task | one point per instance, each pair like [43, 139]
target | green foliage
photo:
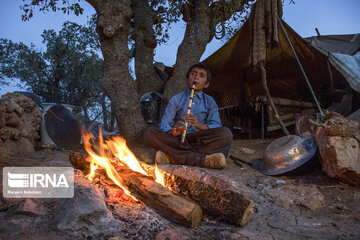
[69, 71]
[50, 5]
[164, 14]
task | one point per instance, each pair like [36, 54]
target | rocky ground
[306, 206]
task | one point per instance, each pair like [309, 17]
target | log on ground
[217, 195]
[145, 189]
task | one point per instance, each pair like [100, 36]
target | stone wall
[19, 124]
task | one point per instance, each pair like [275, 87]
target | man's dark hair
[202, 66]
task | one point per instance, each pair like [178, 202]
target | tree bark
[145, 42]
[104, 112]
[113, 28]
[198, 34]
[216, 194]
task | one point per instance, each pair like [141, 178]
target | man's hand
[194, 121]
[178, 129]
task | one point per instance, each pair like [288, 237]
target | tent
[344, 54]
[236, 86]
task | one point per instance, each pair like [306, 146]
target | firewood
[170, 205]
[78, 161]
[217, 195]
[145, 189]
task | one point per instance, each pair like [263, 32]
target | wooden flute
[188, 112]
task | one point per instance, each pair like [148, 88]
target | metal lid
[286, 154]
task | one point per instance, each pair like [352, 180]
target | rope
[322, 116]
[56, 116]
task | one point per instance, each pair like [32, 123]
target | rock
[18, 146]
[12, 120]
[340, 157]
[10, 133]
[337, 125]
[303, 127]
[25, 146]
[19, 124]
[290, 195]
[11, 105]
[86, 213]
[10, 228]
[243, 151]
[17, 102]
[29, 208]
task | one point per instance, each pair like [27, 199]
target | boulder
[86, 213]
[338, 142]
[29, 207]
[340, 157]
[12, 120]
[19, 124]
[18, 146]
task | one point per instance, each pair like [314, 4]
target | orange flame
[159, 177]
[103, 157]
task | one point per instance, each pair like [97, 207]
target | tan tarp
[234, 81]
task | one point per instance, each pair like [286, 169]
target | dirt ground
[304, 206]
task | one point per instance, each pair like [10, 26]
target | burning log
[145, 189]
[217, 194]
[170, 205]
[78, 160]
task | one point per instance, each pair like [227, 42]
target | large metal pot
[286, 154]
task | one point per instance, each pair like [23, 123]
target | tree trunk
[104, 112]
[198, 34]
[145, 42]
[113, 28]
[112, 120]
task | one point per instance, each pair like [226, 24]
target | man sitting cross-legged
[207, 143]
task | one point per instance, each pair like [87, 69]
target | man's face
[199, 77]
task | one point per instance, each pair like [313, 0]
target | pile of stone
[338, 140]
[19, 124]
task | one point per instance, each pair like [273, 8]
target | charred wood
[145, 189]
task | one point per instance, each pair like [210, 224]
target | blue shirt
[203, 107]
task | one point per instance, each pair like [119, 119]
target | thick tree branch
[145, 42]
[113, 28]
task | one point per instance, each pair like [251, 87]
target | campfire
[179, 193]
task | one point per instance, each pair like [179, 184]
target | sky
[328, 16]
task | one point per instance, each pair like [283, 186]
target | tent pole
[322, 116]
[264, 82]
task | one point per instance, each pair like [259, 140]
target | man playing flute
[207, 142]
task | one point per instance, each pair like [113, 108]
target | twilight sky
[329, 16]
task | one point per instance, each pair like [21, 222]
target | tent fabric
[346, 44]
[343, 52]
[235, 82]
[349, 66]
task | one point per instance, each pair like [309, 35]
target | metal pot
[286, 154]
